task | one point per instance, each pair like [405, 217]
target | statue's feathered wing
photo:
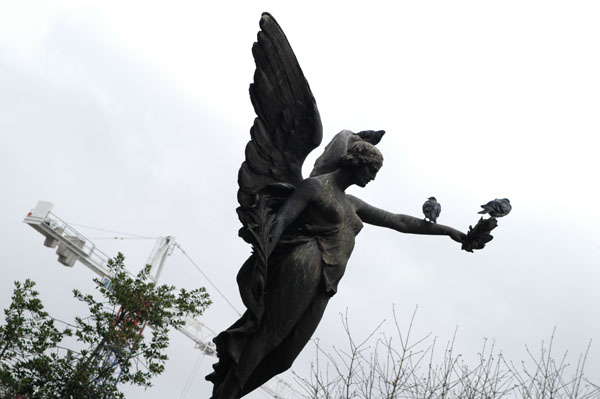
[287, 125]
[286, 129]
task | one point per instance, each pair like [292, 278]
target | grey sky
[133, 116]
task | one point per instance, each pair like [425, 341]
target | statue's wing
[287, 125]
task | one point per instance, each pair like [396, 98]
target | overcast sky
[133, 117]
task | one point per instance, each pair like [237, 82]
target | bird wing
[487, 207]
[506, 207]
[287, 126]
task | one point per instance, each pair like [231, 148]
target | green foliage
[123, 339]
[25, 340]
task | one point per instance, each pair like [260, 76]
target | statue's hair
[360, 152]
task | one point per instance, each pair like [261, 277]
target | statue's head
[360, 153]
[364, 158]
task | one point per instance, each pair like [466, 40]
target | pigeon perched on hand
[431, 209]
[497, 208]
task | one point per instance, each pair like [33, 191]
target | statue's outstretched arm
[402, 223]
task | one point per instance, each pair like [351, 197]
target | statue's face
[365, 173]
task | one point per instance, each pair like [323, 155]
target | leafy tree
[25, 341]
[122, 340]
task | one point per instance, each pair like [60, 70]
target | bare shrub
[403, 367]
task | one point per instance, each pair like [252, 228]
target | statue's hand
[458, 236]
[479, 235]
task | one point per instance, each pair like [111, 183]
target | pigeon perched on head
[371, 136]
[497, 208]
[431, 209]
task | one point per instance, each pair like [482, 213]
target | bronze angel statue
[302, 230]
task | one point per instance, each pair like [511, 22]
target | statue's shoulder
[312, 187]
[316, 182]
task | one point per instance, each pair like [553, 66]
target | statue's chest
[335, 210]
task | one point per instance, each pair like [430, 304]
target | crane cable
[192, 377]
[139, 236]
[116, 232]
[194, 372]
[122, 238]
[207, 279]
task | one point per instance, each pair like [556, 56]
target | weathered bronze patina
[302, 230]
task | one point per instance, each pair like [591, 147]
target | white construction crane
[72, 246]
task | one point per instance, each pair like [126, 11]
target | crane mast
[72, 246]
